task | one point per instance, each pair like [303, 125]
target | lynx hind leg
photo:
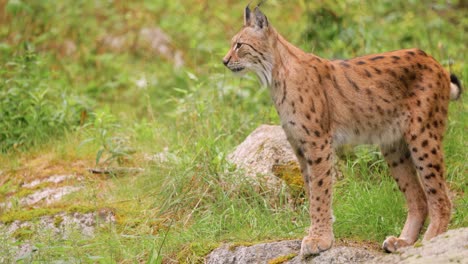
[402, 169]
[426, 152]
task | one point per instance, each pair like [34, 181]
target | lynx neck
[286, 57]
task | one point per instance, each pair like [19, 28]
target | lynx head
[251, 47]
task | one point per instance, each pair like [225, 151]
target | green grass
[93, 112]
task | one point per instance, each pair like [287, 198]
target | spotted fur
[397, 100]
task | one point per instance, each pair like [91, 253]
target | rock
[158, 42]
[58, 226]
[162, 157]
[450, 247]
[25, 252]
[339, 255]
[260, 253]
[113, 43]
[52, 179]
[151, 40]
[63, 224]
[49, 194]
[286, 252]
[68, 48]
[266, 153]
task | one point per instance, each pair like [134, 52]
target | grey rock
[260, 253]
[62, 224]
[339, 255]
[47, 195]
[114, 43]
[267, 252]
[59, 226]
[52, 179]
[264, 148]
[25, 252]
[157, 41]
[162, 157]
[450, 247]
[68, 47]
[152, 40]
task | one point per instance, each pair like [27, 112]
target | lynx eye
[238, 45]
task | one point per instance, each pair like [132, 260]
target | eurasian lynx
[397, 100]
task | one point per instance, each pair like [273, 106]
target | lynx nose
[226, 61]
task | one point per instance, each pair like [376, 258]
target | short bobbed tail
[455, 87]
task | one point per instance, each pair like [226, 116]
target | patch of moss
[23, 192]
[282, 259]
[42, 185]
[58, 221]
[27, 214]
[417, 244]
[80, 208]
[291, 174]
[233, 246]
[129, 222]
[23, 233]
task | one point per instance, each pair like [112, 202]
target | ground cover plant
[79, 89]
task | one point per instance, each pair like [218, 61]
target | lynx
[397, 100]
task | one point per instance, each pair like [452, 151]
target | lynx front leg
[318, 176]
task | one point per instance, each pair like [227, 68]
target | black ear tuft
[260, 19]
[261, 3]
[247, 15]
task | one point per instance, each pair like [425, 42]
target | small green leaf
[99, 155]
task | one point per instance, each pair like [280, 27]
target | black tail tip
[456, 87]
[454, 79]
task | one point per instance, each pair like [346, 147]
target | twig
[115, 170]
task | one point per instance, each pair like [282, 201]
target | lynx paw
[315, 245]
[392, 244]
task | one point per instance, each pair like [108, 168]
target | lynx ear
[261, 20]
[247, 16]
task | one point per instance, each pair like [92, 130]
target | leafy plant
[33, 109]
[103, 130]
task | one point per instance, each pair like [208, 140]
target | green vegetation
[282, 259]
[70, 100]
[34, 108]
